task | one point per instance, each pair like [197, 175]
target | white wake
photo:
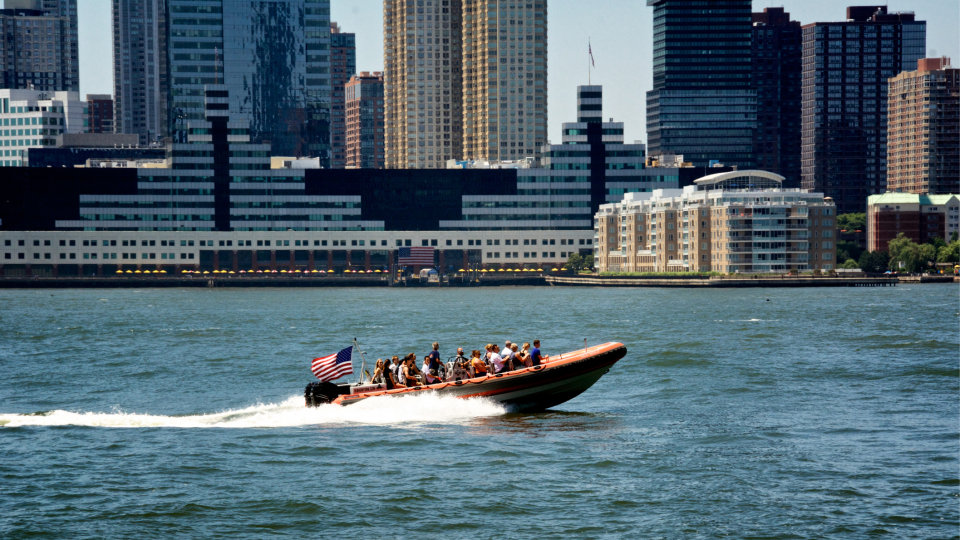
[401, 411]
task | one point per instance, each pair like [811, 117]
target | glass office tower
[846, 67]
[702, 105]
[273, 55]
[777, 53]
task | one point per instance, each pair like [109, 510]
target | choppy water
[780, 413]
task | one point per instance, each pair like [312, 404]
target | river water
[756, 413]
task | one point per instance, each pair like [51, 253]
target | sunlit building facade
[738, 221]
[504, 79]
[423, 83]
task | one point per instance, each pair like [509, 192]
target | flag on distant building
[334, 366]
[416, 256]
[590, 48]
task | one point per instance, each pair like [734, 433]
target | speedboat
[533, 389]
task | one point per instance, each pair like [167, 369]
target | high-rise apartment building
[703, 104]
[423, 82]
[100, 113]
[777, 54]
[923, 129]
[846, 66]
[39, 45]
[138, 55]
[504, 78]
[364, 147]
[343, 65]
[273, 55]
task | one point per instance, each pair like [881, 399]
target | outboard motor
[320, 393]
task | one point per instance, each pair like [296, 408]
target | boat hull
[561, 379]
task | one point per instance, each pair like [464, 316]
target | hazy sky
[620, 31]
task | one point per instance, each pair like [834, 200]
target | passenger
[391, 374]
[378, 372]
[397, 369]
[383, 375]
[517, 360]
[507, 355]
[525, 355]
[416, 370]
[409, 371]
[494, 359]
[477, 366]
[430, 375]
[538, 359]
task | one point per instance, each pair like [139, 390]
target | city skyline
[611, 34]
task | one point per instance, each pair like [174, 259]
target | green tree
[848, 250]
[874, 262]
[908, 255]
[575, 262]
[936, 242]
[852, 222]
[850, 264]
[954, 237]
[588, 263]
[949, 253]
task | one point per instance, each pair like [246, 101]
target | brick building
[364, 145]
[919, 217]
[100, 107]
[923, 129]
[343, 65]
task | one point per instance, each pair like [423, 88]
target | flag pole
[363, 363]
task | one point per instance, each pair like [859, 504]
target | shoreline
[535, 281]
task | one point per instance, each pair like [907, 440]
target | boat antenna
[584, 344]
[363, 363]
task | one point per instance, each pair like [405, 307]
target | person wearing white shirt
[509, 357]
[494, 358]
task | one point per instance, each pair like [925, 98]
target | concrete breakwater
[723, 281]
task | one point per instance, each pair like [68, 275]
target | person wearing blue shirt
[434, 358]
[535, 354]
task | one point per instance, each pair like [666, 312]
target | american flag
[334, 366]
[416, 256]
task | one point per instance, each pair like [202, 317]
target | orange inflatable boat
[560, 379]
